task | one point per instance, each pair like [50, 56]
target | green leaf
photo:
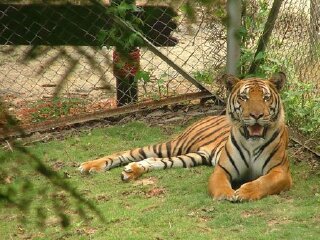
[102, 35]
[260, 55]
[142, 75]
[188, 8]
[123, 8]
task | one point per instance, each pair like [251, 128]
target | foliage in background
[254, 15]
[144, 77]
[206, 76]
[302, 107]
[55, 108]
[214, 8]
[118, 36]
[302, 104]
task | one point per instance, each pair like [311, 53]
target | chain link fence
[31, 73]
[49, 71]
[295, 46]
[296, 40]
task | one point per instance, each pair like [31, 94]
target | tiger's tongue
[255, 130]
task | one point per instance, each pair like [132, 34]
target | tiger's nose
[256, 115]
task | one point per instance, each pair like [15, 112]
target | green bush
[302, 107]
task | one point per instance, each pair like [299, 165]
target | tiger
[247, 146]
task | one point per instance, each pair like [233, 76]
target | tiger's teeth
[255, 130]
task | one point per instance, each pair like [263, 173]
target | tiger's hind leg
[120, 159]
[135, 169]
[102, 164]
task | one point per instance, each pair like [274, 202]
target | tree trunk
[264, 39]
[233, 36]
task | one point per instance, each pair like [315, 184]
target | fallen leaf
[86, 231]
[155, 192]
[103, 198]
[58, 165]
[8, 179]
[66, 174]
[145, 181]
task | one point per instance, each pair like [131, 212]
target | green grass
[175, 205]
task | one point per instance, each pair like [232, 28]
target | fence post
[126, 63]
[125, 67]
[233, 36]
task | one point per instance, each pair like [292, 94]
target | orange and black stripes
[200, 135]
[242, 146]
[238, 148]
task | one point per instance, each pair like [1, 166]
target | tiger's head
[254, 104]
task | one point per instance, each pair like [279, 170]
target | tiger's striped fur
[247, 146]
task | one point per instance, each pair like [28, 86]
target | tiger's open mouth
[255, 131]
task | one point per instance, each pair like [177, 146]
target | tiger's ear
[229, 81]
[278, 80]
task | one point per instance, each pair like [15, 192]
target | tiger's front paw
[248, 192]
[93, 166]
[223, 194]
[132, 171]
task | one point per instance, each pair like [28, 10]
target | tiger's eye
[267, 97]
[243, 97]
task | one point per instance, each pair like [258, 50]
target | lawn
[171, 204]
